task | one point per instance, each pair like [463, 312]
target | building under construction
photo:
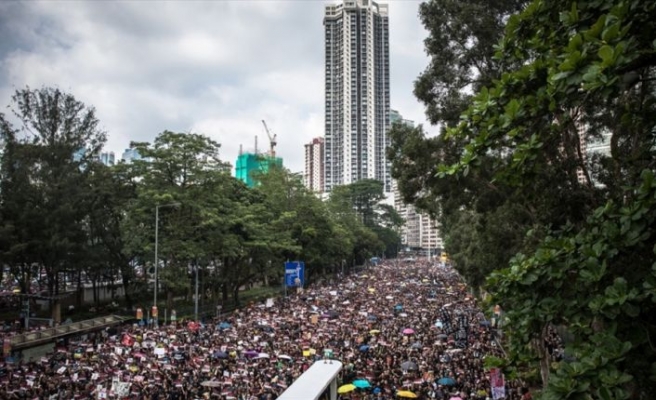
[249, 164]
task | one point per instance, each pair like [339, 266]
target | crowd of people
[406, 329]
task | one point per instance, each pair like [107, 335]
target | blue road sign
[294, 274]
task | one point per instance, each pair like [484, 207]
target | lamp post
[430, 241]
[157, 207]
[196, 299]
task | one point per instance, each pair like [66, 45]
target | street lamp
[157, 207]
[196, 298]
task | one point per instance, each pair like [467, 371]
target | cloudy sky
[213, 67]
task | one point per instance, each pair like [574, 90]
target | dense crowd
[395, 327]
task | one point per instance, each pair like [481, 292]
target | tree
[578, 70]
[43, 171]
[356, 206]
[112, 191]
[179, 174]
[482, 222]
[461, 45]
[461, 41]
[307, 221]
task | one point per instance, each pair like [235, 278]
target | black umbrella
[408, 365]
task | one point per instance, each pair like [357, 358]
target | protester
[399, 327]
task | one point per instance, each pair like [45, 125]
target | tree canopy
[67, 220]
[565, 235]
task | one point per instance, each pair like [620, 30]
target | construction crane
[272, 140]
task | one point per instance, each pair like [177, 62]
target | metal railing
[30, 339]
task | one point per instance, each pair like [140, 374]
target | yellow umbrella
[407, 394]
[374, 331]
[371, 290]
[346, 388]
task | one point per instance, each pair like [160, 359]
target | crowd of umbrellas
[401, 331]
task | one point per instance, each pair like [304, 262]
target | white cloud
[217, 68]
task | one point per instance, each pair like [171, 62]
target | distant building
[77, 156]
[249, 164]
[430, 239]
[357, 93]
[130, 155]
[395, 116]
[591, 148]
[599, 146]
[108, 158]
[314, 166]
[419, 232]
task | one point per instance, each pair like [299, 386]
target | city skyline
[146, 69]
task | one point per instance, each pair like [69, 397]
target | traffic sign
[295, 274]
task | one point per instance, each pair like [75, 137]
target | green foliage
[375, 224]
[462, 44]
[461, 41]
[363, 195]
[66, 214]
[584, 71]
[43, 184]
[580, 280]
[511, 168]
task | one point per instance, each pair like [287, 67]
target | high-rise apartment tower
[313, 175]
[357, 93]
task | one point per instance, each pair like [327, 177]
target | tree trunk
[55, 305]
[79, 298]
[224, 292]
[544, 355]
[24, 281]
[94, 288]
[126, 292]
[169, 299]
[235, 294]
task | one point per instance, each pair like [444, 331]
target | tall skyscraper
[357, 93]
[108, 158]
[314, 167]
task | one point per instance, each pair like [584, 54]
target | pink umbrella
[408, 331]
